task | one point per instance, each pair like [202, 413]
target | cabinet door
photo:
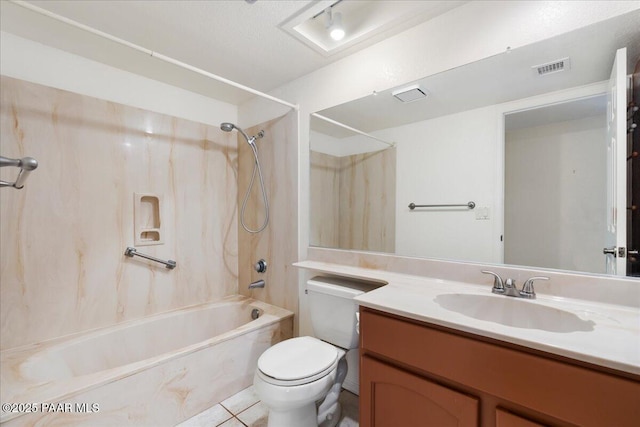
[507, 419]
[391, 397]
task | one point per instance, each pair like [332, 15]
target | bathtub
[156, 371]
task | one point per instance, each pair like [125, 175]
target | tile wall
[62, 237]
[277, 244]
[353, 201]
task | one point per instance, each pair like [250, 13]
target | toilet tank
[333, 310]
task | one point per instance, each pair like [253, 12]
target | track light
[334, 24]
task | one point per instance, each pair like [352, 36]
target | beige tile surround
[62, 237]
[352, 201]
[277, 244]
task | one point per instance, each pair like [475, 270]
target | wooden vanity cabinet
[416, 374]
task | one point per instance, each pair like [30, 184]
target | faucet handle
[498, 284]
[527, 289]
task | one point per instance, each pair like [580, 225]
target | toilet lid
[297, 358]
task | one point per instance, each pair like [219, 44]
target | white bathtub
[156, 371]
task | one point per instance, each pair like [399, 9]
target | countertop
[613, 342]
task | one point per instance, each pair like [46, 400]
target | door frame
[518, 106]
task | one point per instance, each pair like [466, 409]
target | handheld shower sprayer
[228, 127]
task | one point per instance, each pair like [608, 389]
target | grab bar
[26, 165]
[469, 205]
[131, 252]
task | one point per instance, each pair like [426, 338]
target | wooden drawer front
[398, 398]
[567, 392]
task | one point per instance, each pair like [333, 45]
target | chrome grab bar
[131, 252]
[469, 205]
[26, 165]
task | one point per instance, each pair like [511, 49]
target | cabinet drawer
[564, 391]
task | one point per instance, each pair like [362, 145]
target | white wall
[447, 160]
[34, 62]
[555, 195]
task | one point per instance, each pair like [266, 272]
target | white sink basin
[513, 312]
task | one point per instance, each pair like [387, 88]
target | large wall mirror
[523, 135]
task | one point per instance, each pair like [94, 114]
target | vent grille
[552, 67]
[410, 94]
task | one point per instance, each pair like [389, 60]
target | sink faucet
[508, 287]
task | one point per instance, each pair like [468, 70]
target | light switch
[482, 213]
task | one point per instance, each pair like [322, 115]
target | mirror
[475, 127]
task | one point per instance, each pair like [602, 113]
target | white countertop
[614, 341]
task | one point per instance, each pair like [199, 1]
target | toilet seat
[298, 361]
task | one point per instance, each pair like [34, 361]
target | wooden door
[508, 419]
[391, 397]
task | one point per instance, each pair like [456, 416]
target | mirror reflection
[523, 135]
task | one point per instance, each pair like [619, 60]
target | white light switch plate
[482, 213]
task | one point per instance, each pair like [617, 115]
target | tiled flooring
[245, 410]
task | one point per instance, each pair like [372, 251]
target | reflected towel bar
[131, 252]
[26, 165]
[469, 205]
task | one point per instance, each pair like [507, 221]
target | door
[508, 419]
[616, 233]
[392, 397]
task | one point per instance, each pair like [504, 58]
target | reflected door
[616, 233]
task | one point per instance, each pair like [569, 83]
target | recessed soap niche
[147, 221]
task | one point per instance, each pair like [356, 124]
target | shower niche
[147, 219]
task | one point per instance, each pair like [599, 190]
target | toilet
[296, 373]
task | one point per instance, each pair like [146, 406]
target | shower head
[228, 127]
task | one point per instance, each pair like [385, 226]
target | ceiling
[238, 40]
[498, 79]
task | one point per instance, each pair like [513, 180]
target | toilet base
[300, 417]
[336, 413]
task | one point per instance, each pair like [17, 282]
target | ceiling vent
[552, 67]
[410, 94]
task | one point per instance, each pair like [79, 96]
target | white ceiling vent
[410, 93]
[552, 67]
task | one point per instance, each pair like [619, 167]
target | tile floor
[245, 410]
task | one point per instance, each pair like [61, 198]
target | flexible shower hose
[256, 167]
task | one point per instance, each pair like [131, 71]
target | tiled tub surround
[62, 237]
[277, 243]
[156, 371]
[613, 305]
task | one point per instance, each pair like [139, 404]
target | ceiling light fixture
[334, 24]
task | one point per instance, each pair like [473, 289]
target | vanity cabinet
[417, 374]
[404, 399]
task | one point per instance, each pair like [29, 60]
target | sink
[514, 312]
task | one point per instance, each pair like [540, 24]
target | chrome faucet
[257, 284]
[508, 287]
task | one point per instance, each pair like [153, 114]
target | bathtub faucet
[257, 284]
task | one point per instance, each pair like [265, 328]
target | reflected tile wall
[353, 201]
[368, 201]
[324, 200]
[277, 244]
[63, 235]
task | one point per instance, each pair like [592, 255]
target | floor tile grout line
[229, 412]
[247, 408]
[240, 421]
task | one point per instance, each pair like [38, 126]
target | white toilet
[296, 373]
